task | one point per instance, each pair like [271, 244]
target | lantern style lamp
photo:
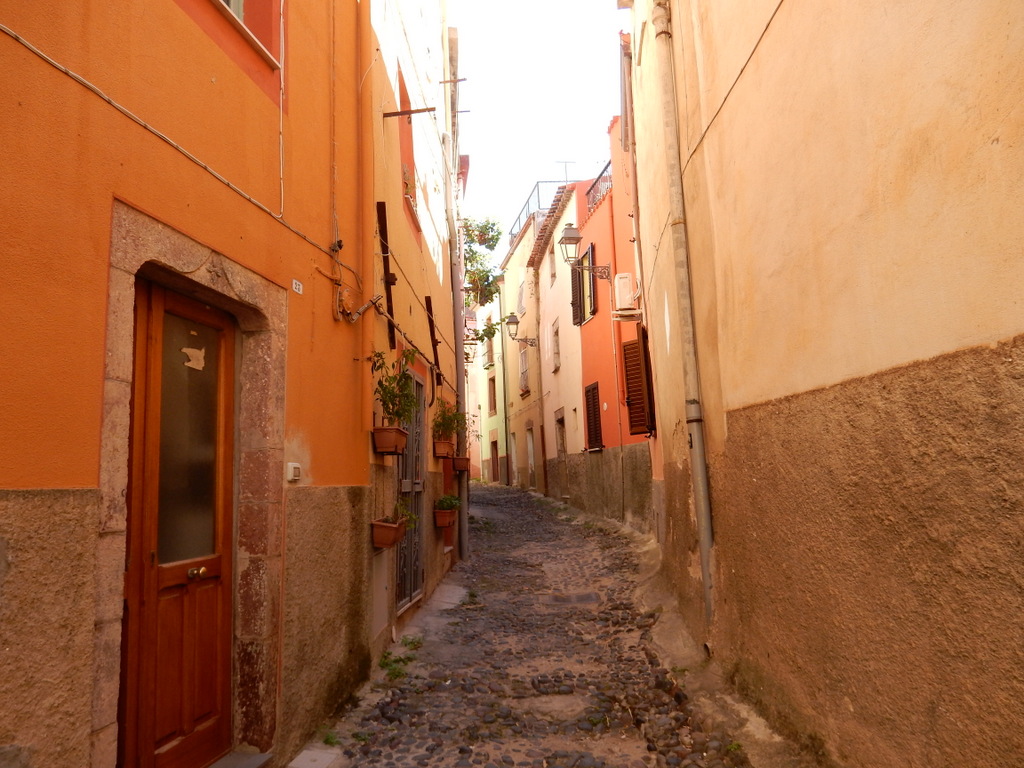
[512, 323]
[570, 244]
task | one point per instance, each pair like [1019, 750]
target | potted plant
[388, 531]
[460, 463]
[448, 420]
[446, 510]
[396, 393]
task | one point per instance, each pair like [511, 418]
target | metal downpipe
[662, 20]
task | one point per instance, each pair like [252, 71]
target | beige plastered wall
[563, 388]
[852, 185]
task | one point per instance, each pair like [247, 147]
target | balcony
[602, 184]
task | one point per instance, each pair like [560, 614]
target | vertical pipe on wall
[504, 386]
[459, 314]
[662, 20]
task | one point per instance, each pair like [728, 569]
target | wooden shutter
[591, 281]
[577, 297]
[638, 385]
[593, 408]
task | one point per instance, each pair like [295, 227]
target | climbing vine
[481, 279]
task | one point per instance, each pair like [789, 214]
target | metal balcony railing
[600, 187]
[538, 202]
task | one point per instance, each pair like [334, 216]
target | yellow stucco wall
[858, 188]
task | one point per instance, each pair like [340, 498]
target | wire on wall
[94, 89]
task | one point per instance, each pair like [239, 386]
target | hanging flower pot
[460, 463]
[444, 449]
[396, 395]
[389, 440]
[445, 517]
[386, 534]
[446, 511]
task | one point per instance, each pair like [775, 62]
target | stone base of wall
[870, 562]
[614, 483]
[48, 635]
[326, 652]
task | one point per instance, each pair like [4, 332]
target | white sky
[542, 85]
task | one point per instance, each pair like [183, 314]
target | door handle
[196, 573]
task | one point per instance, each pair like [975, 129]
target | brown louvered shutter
[592, 281]
[592, 403]
[638, 385]
[577, 297]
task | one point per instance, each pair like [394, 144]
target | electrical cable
[175, 146]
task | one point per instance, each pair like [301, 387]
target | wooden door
[175, 707]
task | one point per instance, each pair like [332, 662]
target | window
[237, 8]
[556, 352]
[553, 262]
[639, 399]
[492, 396]
[521, 302]
[524, 372]
[589, 282]
[592, 405]
[584, 290]
[488, 352]
[257, 23]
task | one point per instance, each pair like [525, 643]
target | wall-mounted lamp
[570, 245]
[512, 323]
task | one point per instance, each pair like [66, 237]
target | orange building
[212, 213]
[617, 417]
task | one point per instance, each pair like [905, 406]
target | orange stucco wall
[70, 154]
[609, 228]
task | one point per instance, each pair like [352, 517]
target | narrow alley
[533, 653]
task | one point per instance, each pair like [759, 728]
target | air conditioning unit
[625, 292]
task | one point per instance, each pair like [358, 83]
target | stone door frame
[145, 247]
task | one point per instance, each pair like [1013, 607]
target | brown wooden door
[176, 678]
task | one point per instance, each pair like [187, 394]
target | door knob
[197, 573]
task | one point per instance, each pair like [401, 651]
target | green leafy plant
[489, 330]
[394, 665]
[412, 642]
[448, 502]
[402, 512]
[447, 420]
[395, 390]
[481, 280]
[331, 739]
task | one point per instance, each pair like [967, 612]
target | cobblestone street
[541, 658]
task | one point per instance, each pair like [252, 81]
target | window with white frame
[237, 7]
[556, 352]
[524, 371]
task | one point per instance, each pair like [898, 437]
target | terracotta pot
[385, 534]
[460, 463]
[444, 449]
[389, 440]
[445, 517]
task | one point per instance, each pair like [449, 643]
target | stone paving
[540, 658]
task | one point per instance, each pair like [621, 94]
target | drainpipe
[459, 313]
[504, 388]
[662, 20]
